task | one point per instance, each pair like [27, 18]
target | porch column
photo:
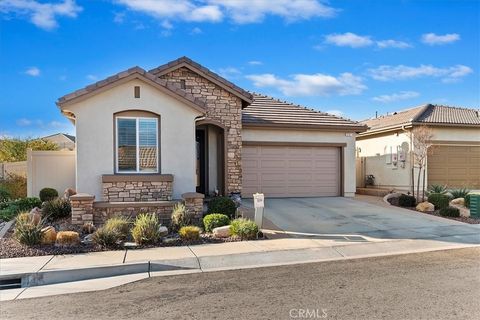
[82, 208]
[194, 203]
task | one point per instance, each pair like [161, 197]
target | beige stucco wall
[53, 169]
[95, 135]
[374, 152]
[270, 135]
[62, 141]
[372, 148]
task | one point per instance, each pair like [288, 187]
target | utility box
[259, 205]
[475, 205]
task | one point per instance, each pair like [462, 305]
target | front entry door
[200, 138]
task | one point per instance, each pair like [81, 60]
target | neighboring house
[454, 158]
[63, 140]
[182, 128]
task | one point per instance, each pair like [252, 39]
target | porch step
[378, 192]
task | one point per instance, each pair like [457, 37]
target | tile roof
[426, 114]
[132, 71]
[267, 111]
[245, 95]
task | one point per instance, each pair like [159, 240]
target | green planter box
[475, 205]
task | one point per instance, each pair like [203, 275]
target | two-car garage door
[291, 171]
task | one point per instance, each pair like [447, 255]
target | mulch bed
[436, 213]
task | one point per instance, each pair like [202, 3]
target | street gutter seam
[45, 264]
[18, 295]
[335, 249]
[198, 260]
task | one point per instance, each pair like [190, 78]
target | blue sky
[347, 57]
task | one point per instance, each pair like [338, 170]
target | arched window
[137, 142]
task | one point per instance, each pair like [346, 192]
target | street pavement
[431, 285]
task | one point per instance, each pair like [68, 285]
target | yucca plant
[180, 217]
[459, 193]
[28, 232]
[145, 229]
[436, 188]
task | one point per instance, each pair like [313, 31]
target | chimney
[376, 114]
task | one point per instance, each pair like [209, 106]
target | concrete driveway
[338, 216]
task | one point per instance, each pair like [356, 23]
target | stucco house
[384, 151]
[62, 140]
[144, 136]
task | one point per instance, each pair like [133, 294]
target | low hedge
[450, 212]
[439, 200]
[223, 205]
[244, 228]
[407, 201]
[48, 194]
[215, 220]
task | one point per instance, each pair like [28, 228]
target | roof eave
[279, 126]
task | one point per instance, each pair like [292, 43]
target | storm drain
[10, 283]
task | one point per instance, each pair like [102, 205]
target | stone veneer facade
[134, 188]
[223, 107]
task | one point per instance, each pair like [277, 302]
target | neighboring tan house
[62, 140]
[384, 151]
[182, 128]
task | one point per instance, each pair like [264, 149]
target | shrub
[25, 204]
[88, 228]
[106, 237]
[56, 209]
[145, 229]
[407, 201]
[215, 220]
[467, 201]
[189, 233]
[4, 194]
[436, 188]
[48, 194]
[26, 231]
[223, 205]
[180, 217]
[16, 185]
[120, 225]
[439, 200]
[244, 228]
[7, 214]
[450, 212]
[68, 238]
[459, 193]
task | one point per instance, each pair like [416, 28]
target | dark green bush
[450, 212]
[459, 193]
[244, 228]
[223, 205]
[48, 194]
[467, 201]
[215, 220]
[9, 209]
[4, 194]
[406, 201]
[439, 200]
[7, 214]
[56, 209]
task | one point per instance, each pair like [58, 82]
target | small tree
[421, 138]
[15, 149]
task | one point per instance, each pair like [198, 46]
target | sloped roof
[68, 136]
[266, 111]
[135, 72]
[207, 73]
[426, 114]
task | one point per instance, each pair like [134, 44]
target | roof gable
[125, 76]
[266, 111]
[206, 73]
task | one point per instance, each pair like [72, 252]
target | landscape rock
[35, 215]
[49, 235]
[163, 231]
[392, 198]
[68, 193]
[88, 239]
[425, 207]
[458, 201]
[222, 232]
[464, 212]
[67, 238]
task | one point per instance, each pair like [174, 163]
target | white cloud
[42, 14]
[435, 39]
[311, 84]
[91, 77]
[240, 12]
[402, 72]
[335, 112]
[255, 63]
[119, 17]
[41, 124]
[403, 95]
[23, 122]
[390, 43]
[166, 25]
[229, 72]
[348, 39]
[33, 71]
[196, 30]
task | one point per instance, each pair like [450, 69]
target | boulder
[392, 198]
[222, 232]
[163, 231]
[35, 215]
[425, 207]
[68, 193]
[49, 235]
[67, 238]
[88, 239]
[458, 201]
[464, 212]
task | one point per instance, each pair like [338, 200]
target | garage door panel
[291, 171]
[455, 166]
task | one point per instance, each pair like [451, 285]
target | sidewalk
[51, 275]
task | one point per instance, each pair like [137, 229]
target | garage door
[455, 166]
[291, 171]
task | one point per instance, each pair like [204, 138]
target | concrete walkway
[51, 275]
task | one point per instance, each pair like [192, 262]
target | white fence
[18, 168]
[53, 169]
